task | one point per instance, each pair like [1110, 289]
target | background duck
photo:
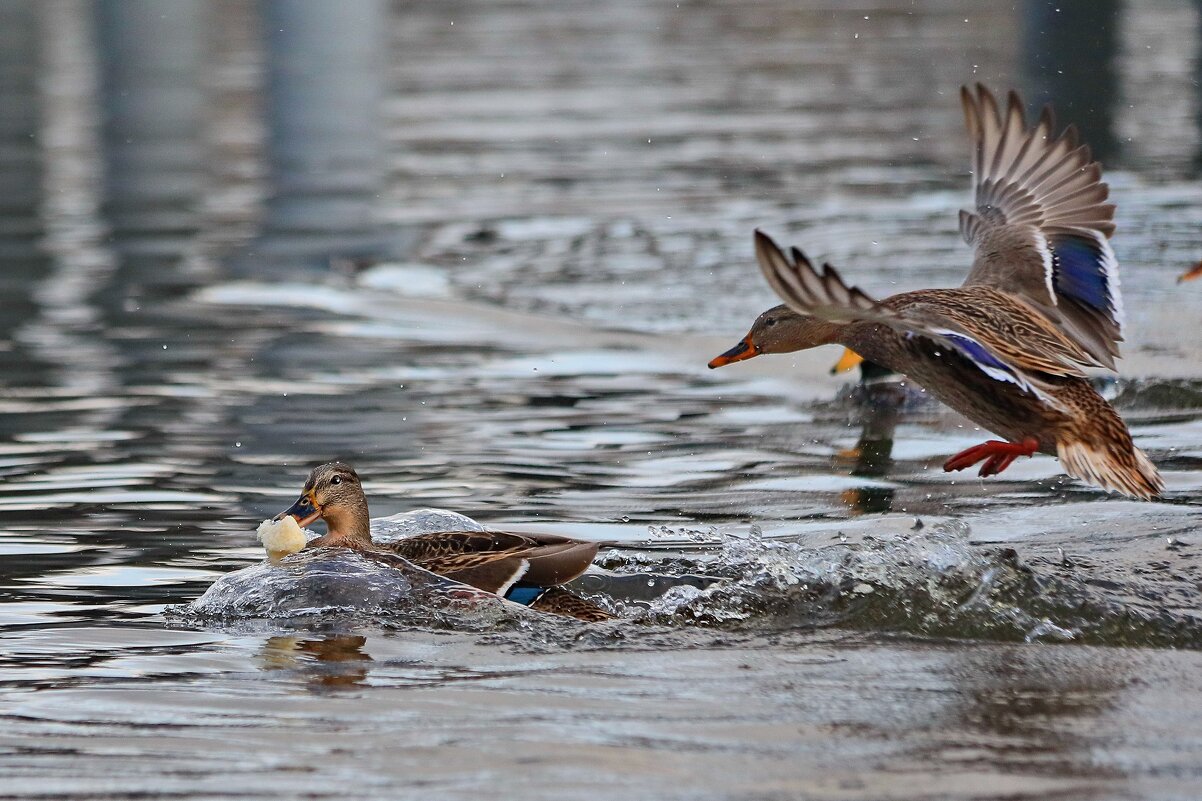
[1191, 274]
[523, 568]
[870, 372]
[1007, 348]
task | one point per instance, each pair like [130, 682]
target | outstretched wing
[1005, 340]
[1041, 226]
[807, 291]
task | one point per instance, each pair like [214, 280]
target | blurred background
[483, 251]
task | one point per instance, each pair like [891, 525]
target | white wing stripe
[1045, 253]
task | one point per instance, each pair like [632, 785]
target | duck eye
[769, 323]
[336, 480]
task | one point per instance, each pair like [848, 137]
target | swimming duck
[524, 568]
[1007, 348]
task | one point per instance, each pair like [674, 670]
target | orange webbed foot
[997, 455]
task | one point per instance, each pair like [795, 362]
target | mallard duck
[523, 568]
[1191, 274]
[870, 372]
[1007, 348]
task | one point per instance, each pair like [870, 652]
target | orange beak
[304, 510]
[744, 350]
[1191, 274]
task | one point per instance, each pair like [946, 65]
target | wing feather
[1030, 186]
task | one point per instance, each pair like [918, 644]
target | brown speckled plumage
[558, 601]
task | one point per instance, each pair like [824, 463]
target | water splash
[929, 582]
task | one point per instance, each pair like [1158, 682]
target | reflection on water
[879, 402]
[325, 84]
[340, 661]
[539, 217]
[151, 102]
[1070, 52]
[21, 177]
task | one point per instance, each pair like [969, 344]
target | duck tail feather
[1119, 467]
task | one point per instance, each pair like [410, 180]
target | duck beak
[1191, 274]
[744, 350]
[849, 360]
[304, 510]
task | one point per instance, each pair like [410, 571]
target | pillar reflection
[151, 58]
[325, 83]
[1069, 49]
[22, 261]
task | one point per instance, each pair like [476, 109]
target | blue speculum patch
[978, 352]
[524, 595]
[1077, 270]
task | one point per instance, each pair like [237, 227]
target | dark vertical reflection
[20, 159]
[325, 85]
[879, 400]
[151, 60]
[1069, 49]
[21, 179]
[1197, 160]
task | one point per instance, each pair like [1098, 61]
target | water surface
[565, 196]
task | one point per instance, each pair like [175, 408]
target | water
[565, 204]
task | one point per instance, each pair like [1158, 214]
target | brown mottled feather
[1005, 324]
[551, 559]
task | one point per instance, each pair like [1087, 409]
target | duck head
[334, 494]
[779, 330]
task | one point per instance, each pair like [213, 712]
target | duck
[870, 372]
[527, 569]
[1009, 347]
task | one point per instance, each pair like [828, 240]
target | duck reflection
[877, 402]
[333, 661]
